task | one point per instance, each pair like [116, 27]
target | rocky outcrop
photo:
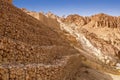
[104, 20]
[98, 20]
[76, 19]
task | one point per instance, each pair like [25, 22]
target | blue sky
[66, 7]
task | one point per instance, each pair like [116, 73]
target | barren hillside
[32, 50]
[80, 32]
[38, 46]
[101, 31]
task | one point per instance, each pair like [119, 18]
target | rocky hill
[98, 20]
[100, 32]
[76, 19]
[33, 50]
[48, 19]
[38, 46]
[104, 20]
[96, 37]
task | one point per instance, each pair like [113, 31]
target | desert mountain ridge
[100, 24]
[38, 46]
[100, 32]
[99, 20]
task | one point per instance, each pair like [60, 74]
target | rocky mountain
[98, 36]
[48, 19]
[76, 19]
[101, 30]
[39, 46]
[33, 50]
[94, 36]
[98, 20]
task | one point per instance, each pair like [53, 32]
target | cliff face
[104, 20]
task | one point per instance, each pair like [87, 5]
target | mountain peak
[97, 20]
[75, 18]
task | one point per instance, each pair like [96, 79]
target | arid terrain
[39, 46]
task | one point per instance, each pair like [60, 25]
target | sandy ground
[86, 73]
[114, 77]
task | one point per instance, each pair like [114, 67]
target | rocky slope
[42, 46]
[33, 50]
[48, 19]
[95, 37]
